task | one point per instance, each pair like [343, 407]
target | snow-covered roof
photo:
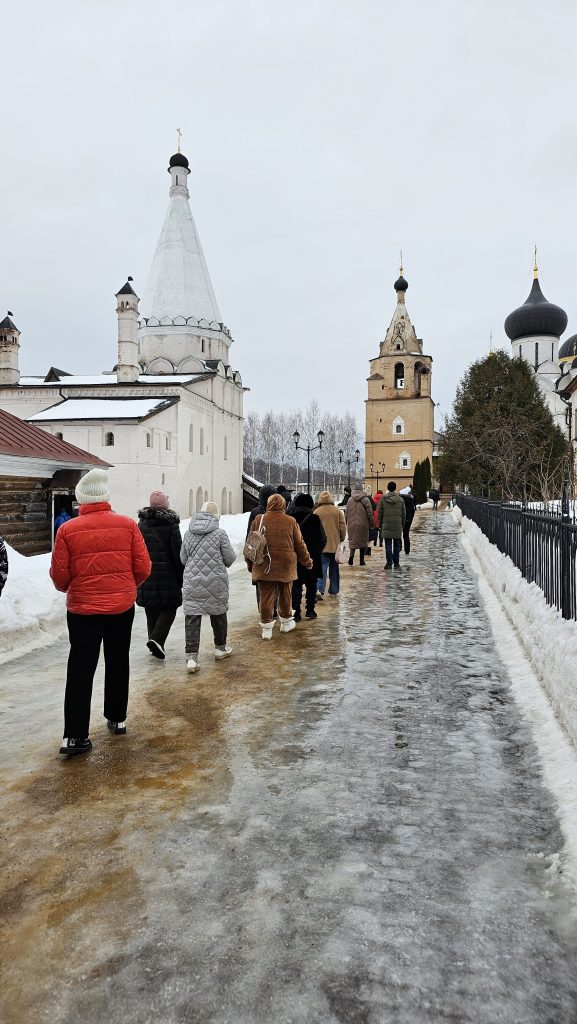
[179, 284]
[102, 409]
[73, 381]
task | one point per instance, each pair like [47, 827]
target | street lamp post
[382, 465]
[348, 462]
[308, 450]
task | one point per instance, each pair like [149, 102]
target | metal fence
[540, 541]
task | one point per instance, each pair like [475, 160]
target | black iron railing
[540, 541]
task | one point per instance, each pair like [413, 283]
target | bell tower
[399, 408]
[9, 346]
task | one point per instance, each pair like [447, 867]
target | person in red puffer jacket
[376, 498]
[99, 560]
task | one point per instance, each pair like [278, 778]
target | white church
[169, 415]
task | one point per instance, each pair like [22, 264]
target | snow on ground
[543, 691]
[33, 612]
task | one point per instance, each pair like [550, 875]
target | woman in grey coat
[206, 553]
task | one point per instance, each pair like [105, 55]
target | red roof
[24, 439]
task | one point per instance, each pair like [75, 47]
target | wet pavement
[347, 824]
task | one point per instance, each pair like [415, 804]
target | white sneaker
[267, 628]
[222, 652]
[286, 625]
[192, 664]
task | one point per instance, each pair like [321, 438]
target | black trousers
[192, 624]
[158, 622]
[407, 538]
[308, 579]
[87, 633]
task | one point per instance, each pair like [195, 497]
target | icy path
[346, 825]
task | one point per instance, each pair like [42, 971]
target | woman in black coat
[161, 594]
[315, 539]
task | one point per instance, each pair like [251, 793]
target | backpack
[255, 546]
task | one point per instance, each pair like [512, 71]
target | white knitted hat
[93, 488]
[211, 507]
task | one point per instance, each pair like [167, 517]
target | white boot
[222, 652]
[192, 663]
[287, 624]
[267, 628]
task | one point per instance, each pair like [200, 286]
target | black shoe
[311, 614]
[72, 746]
[297, 616]
[368, 552]
[350, 561]
[362, 563]
[118, 728]
[388, 565]
[155, 648]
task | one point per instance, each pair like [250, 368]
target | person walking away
[3, 564]
[206, 554]
[359, 517]
[378, 539]
[392, 516]
[346, 496]
[99, 560]
[286, 494]
[333, 520]
[59, 520]
[435, 496]
[372, 531]
[264, 494]
[161, 594]
[277, 573]
[315, 539]
[410, 508]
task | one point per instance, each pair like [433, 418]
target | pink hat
[158, 499]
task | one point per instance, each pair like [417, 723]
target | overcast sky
[322, 136]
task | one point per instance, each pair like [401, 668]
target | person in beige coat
[359, 516]
[286, 547]
[333, 520]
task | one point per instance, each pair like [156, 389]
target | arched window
[191, 438]
[398, 426]
[230, 503]
[202, 440]
[168, 442]
[199, 499]
[202, 345]
[399, 376]
[223, 502]
[404, 461]
[109, 439]
[225, 447]
[190, 502]
[58, 434]
[149, 440]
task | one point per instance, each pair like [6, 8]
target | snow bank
[32, 612]
[549, 640]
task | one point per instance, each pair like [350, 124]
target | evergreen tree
[417, 484]
[501, 440]
[426, 481]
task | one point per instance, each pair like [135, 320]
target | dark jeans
[392, 549]
[192, 625]
[308, 579]
[87, 633]
[407, 538]
[158, 622]
[329, 563]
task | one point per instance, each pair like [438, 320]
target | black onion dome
[400, 284]
[568, 350]
[178, 160]
[536, 316]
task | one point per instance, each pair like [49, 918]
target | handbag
[255, 548]
[341, 555]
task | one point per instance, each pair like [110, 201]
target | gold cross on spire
[401, 264]
[178, 138]
[535, 266]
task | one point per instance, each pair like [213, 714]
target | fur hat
[93, 488]
[158, 499]
[326, 498]
[276, 503]
[212, 508]
[304, 501]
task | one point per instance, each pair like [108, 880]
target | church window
[202, 345]
[536, 355]
[404, 461]
[202, 440]
[225, 448]
[149, 440]
[109, 440]
[191, 438]
[398, 425]
[177, 179]
[223, 502]
[398, 348]
[168, 442]
[399, 376]
[58, 434]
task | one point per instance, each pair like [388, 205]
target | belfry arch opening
[399, 376]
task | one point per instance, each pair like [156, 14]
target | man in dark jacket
[346, 496]
[411, 507]
[315, 539]
[392, 515]
[263, 496]
[161, 594]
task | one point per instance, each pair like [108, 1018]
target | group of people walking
[106, 562]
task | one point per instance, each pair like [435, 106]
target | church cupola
[9, 346]
[179, 169]
[535, 327]
[128, 368]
